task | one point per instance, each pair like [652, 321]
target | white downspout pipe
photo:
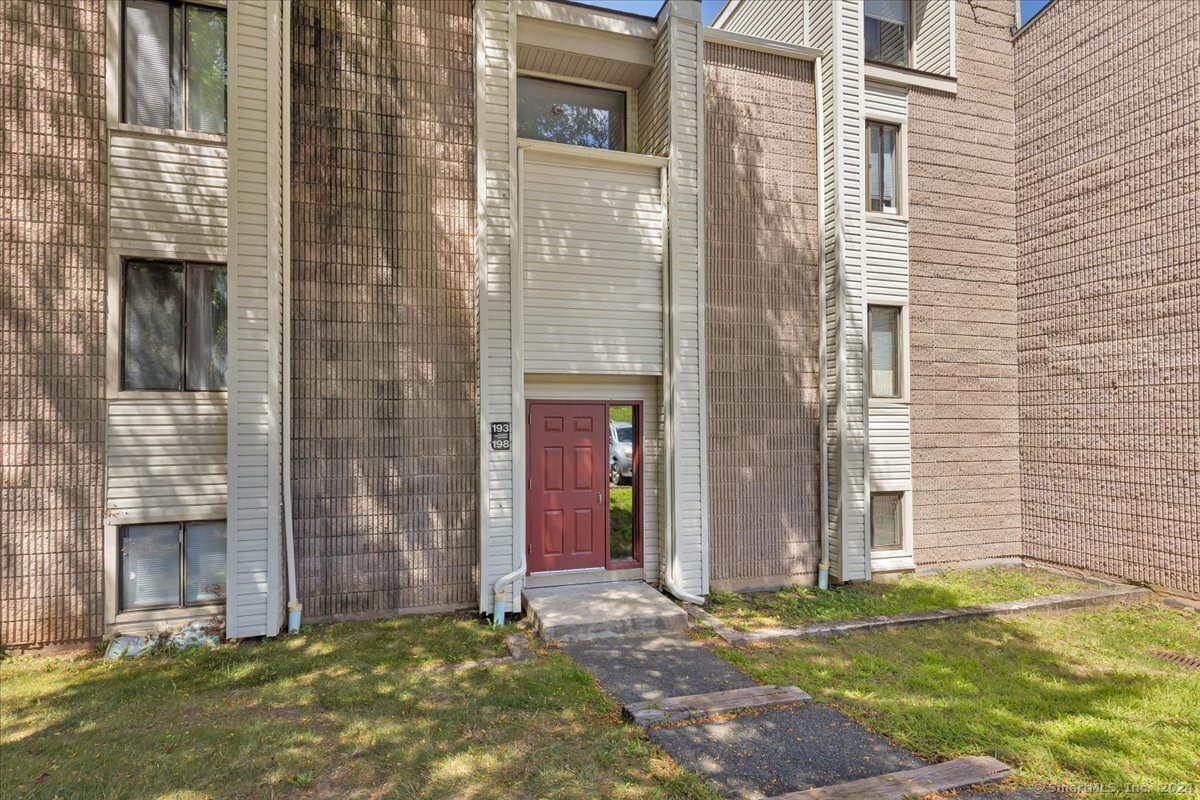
[498, 604]
[819, 81]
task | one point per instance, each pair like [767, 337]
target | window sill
[888, 402]
[891, 561]
[207, 397]
[884, 216]
[150, 616]
[909, 78]
[194, 137]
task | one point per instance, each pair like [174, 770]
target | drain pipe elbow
[680, 594]
[498, 604]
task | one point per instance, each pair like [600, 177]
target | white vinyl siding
[255, 265]
[933, 46]
[167, 196]
[166, 459]
[782, 20]
[592, 239]
[887, 258]
[890, 442]
[495, 74]
[653, 98]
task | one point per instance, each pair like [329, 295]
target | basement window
[887, 520]
[172, 564]
[885, 31]
[567, 113]
[174, 66]
[174, 332]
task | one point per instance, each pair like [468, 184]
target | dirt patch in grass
[797, 605]
[339, 711]
[1067, 700]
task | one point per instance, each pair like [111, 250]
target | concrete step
[601, 610]
[698, 706]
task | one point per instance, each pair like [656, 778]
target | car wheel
[614, 475]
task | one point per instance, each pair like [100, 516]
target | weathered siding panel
[963, 312]
[53, 197]
[161, 184]
[1107, 112]
[385, 459]
[653, 102]
[592, 247]
[763, 317]
[166, 460]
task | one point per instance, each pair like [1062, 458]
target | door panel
[568, 443]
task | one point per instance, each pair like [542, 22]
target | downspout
[293, 604]
[498, 591]
[822, 373]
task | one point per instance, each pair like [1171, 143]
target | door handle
[599, 500]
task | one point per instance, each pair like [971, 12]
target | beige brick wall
[384, 307]
[963, 295]
[53, 196]
[762, 312]
[1107, 113]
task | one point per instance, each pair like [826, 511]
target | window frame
[910, 39]
[891, 559]
[630, 144]
[123, 297]
[121, 67]
[902, 354]
[899, 159]
[636, 485]
[901, 503]
[183, 604]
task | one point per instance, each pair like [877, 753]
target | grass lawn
[796, 605]
[1071, 699]
[339, 711]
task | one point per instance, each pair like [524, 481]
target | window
[170, 565]
[570, 114]
[883, 167]
[624, 478]
[174, 66]
[174, 335]
[887, 520]
[884, 350]
[885, 31]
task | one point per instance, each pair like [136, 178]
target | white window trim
[902, 355]
[114, 62]
[893, 559]
[901, 124]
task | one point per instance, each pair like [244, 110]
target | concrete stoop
[601, 610]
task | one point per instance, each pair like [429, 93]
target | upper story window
[173, 328]
[174, 64]
[570, 114]
[886, 31]
[885, 352]
[883, 167]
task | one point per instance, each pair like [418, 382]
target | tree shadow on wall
[762, 305]
[385, 358]
[52, 320]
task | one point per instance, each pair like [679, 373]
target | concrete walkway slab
[601, 610]
[633, 670]
[787, 750]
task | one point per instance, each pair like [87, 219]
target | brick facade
[1109, 302]
[762, 310]
[53, 205]
[384, 307]
[963, 301]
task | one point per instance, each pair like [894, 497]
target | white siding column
[257, 118]
[495, 78]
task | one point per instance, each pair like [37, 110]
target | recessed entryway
[583, 486]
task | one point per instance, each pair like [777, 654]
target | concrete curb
[1104, 598]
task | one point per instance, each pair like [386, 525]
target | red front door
[567, 471]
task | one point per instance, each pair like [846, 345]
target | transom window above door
[585, 116]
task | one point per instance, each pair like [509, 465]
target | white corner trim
[481, 260]
[716, 36]
[910, 78]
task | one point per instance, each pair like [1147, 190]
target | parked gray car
[620, 452]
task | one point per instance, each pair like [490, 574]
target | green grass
[1072, 699]
[795, 605]
[620, 520]
[339, 711]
